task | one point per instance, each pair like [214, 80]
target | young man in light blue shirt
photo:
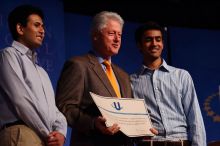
[29, 116]
[169, 93]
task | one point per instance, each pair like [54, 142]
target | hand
[154, 131]
[100, 125]
[55, 138]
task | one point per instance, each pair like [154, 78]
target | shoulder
[137, 73]
[8, 51]
[76, 64]
[134, 76]
[10, 54]
[77, 60]
[119, 70]
[179, 73]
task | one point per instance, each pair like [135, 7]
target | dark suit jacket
[79, 76]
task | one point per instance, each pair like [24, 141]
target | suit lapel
[101, 74]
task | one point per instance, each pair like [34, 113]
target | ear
[19, 29]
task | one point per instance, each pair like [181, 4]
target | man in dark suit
[87, 73]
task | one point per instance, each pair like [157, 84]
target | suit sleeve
[70, 93]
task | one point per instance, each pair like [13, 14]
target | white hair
[101, 19]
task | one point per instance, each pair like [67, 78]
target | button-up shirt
[26, 92]
[172, 103]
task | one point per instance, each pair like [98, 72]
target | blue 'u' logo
[117, 106]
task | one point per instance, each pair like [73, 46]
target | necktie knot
[107, 64]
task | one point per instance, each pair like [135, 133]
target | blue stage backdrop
[67, 35]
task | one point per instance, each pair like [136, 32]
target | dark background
[182, 13]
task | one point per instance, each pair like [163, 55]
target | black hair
[147, 26]
[20, 15]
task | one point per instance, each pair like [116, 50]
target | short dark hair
[147, 26]
[20, 15]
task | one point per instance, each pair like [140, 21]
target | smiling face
[108, 41]
[151, 45]
[32, 34]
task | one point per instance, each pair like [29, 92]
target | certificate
[131, 115]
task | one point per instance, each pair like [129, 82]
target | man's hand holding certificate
[130, 114]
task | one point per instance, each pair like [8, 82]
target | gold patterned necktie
[111, 77]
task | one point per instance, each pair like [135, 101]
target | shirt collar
[164, 67]
[32, 55]
[99, 58]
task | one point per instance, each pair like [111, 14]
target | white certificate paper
[130, 114]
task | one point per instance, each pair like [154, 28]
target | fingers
[154, 131]
[113, 129]
[52, 141]
[101, 119]
[101, 126]
[55, 139]
[100, 123]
